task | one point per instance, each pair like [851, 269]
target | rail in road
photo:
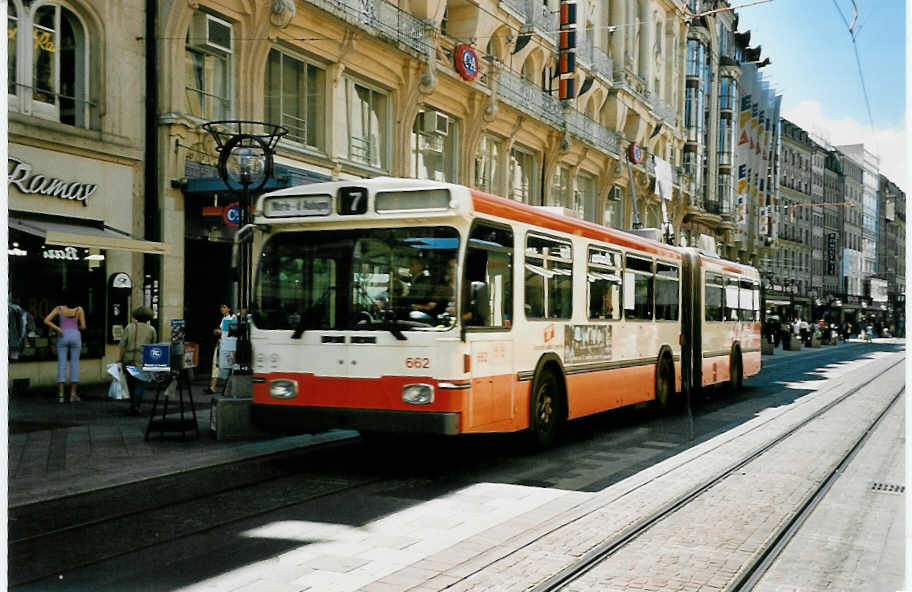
[750, 572]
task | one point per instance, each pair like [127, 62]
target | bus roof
[496, 206]
[493, 205]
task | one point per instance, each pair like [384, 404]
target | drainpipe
[151, 209]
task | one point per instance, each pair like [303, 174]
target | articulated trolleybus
[402, 305]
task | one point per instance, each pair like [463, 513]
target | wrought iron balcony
[381, 19]
[534, 15]
[588, 54]
[529, 98]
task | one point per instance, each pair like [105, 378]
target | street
[343, 516]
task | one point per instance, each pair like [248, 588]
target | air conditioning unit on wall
[433, 123]
[615, 194]
[210, 33]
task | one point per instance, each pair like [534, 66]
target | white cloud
[888, 143]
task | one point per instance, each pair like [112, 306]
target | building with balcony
[789, 265]
[717, 56]
[870, 216]
[76, 178]
[370, 87]
[891, 251]
[851, 251]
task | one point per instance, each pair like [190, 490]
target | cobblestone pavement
[854, 539]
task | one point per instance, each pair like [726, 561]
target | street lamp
[246, 150]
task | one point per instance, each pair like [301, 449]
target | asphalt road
[362, 481]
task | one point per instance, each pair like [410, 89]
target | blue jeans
[68, 346]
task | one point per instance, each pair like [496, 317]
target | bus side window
[548, 278]
[666, 292]
[639, 284]
[746, 299]
[487, 295]
[756, 304]
[713, 297]
[604, 284]
[731, 299]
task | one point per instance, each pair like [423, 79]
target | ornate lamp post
[246, 150]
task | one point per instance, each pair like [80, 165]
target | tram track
[225, 499]
[599, 554]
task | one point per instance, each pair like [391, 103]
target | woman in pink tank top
[71, 321]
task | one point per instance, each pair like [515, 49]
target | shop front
[69, 240]
[210, 225]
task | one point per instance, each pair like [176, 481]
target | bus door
[487, 312]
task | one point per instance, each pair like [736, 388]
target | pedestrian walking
[227, 319]
[136, 334]
[803, 331]
[71, 320]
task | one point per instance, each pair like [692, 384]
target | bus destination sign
[298, 205]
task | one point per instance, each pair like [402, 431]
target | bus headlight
[283, 389]
[418, 394]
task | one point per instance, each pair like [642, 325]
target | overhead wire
[864, 88]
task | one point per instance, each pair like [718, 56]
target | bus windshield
[367, 279]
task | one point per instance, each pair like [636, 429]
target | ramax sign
[20, 175]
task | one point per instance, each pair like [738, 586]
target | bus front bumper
[289, 419]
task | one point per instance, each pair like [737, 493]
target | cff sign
[466, 61]
[231, 215]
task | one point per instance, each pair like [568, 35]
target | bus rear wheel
[546, 410]
[665, 386]
[737, 373]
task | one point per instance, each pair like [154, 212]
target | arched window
[48, 69]
[12, 27]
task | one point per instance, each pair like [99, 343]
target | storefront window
[39, 277]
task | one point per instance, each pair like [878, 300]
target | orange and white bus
[416, 306]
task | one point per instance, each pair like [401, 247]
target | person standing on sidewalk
[137, 334]
[219, 331]
[72, 320]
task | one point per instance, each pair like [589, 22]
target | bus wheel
[665, 385]
[737, 373]
[546, 410]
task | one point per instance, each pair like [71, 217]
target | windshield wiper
[392, 324]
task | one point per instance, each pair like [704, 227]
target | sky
[815, 70]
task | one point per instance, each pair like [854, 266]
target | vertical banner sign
[567, 47]
[743, 150]
[764, 225]
[831, 253]
[774, 183]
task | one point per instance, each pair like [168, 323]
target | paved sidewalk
[57, 450]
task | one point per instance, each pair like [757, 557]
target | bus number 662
[417, 362]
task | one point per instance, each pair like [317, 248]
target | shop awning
[88, 237]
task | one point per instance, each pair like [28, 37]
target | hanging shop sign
[20, 175]
[466, 61]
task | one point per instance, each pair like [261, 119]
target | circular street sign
[466, 61]
[635, 153]
[231, 215]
